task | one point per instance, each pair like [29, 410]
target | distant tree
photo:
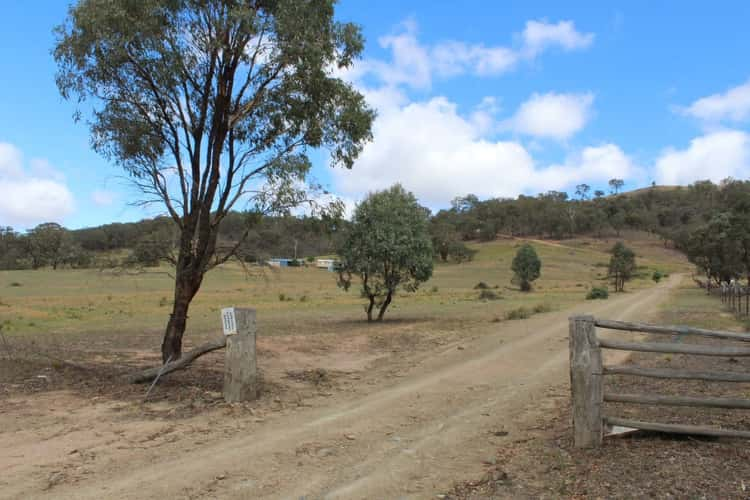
[447, 243]
[582, 191]
[598, 193]
[151, 250]
[387, 247]
[716, 250]
[13, 249]
[616, 185]
[526, 267]
[621, 265]
[213, 104]
[46, 244]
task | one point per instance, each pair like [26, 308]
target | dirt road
[410, 437]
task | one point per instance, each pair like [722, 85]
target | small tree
[621, 266]
[526, 267]
[388, 246]
[582, 191]
[616, 185]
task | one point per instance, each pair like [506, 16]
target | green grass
[91, 302]
[690, 305]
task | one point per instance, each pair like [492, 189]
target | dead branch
[183, 362]
[158, 376]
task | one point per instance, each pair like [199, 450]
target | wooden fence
[587, 373]
[736, 298]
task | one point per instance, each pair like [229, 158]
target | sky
[495, 99]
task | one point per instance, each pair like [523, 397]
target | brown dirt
[637, 465]
[392, 413]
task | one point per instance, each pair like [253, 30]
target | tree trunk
[385, 305]
[187, 283]
[370, 307]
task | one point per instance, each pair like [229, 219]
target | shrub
[488, 295]
[481, 286]
[434, 289]
[542, 308]
[303, 298]
[598, 292]
[657, 276]
[520, 313]
[15, 283]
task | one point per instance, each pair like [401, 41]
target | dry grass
[91, 303]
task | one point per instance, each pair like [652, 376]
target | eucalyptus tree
[210, 105]
[388, 246]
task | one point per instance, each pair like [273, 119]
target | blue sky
[492, 98]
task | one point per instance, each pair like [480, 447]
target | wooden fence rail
[587, 373]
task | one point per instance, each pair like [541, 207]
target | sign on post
[229, 321]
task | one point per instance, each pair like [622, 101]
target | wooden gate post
[240, 367]
[586, 382]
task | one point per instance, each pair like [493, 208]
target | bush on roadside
[598, 292]
[519, 313]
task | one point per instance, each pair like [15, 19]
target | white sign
[228, 321]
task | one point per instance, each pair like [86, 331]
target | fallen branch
[183, 362]
[158, 376]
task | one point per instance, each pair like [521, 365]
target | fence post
[586, 382]
[240, 367]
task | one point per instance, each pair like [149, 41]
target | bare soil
[393, 412]
[636, 465]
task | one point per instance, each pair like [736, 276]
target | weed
[481, 286]
[434, 289]
[519, 313]
[163, 302]
[489, 295]
[303, 298]
[15, 283]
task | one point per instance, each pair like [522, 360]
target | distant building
[276, 262]
[328, 264]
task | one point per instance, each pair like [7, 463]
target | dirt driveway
[411, 436]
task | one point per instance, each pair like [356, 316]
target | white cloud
[714, 156]
[34, 196]
[415, 64]
[540, 35]
[593, 164]
[102, 197]
[732, 105]
[552, 115]
[438, 154]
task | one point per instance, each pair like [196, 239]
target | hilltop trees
[526, 267]
[616, 185]
[621, 266]
[387, 247]
[213, 104]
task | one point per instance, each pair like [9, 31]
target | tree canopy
[526, 266]
[211, 104]
[387, 247]
[621, 265]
